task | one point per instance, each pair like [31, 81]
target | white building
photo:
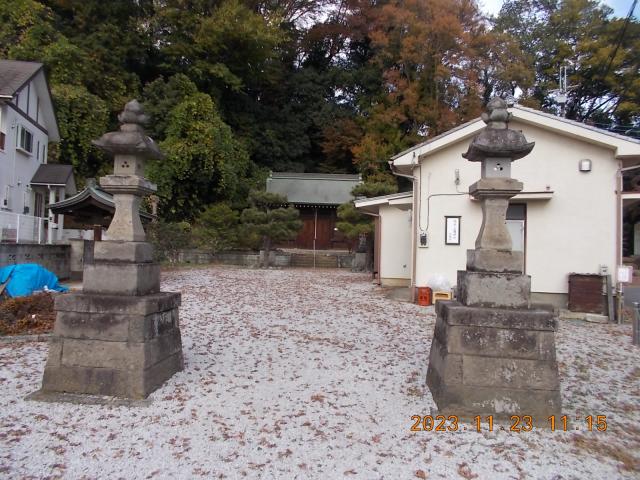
[27, 126]
[567, 219]
[393, 226]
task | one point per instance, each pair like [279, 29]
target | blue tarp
[26, 278]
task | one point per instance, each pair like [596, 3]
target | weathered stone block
[126, 183]
[498, 185]
[447, 365]
[162, 371]
[87, 380]
[114, 345]
[125, 278]
[161, 347]
[499, 290]
[142, 328]
[97, 326]
[463, 400]
[117, 369]
[492, 342]
[55, 351]
[112, 251]
[541, 317]
[493, 361]
[117, 304]
[495, 261]
[514, 373]
[101, 354]
[115, 327]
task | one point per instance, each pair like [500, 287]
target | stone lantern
[493, 353]
[121, 336]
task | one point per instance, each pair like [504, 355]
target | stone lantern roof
[131, 139]
[497, 140]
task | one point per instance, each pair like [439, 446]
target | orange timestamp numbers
[518, 423]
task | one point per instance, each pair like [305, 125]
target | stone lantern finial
[497, 115]
[133, 114]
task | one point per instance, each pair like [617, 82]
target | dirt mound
[24, 315]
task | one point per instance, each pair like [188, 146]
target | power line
[620, 38]
[615, 51]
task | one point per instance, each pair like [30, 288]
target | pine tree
[271, 219]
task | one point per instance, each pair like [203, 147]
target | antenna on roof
[561, 94]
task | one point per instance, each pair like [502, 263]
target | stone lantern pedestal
[493, 353]
[120, 337]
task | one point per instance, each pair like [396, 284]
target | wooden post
[97, 233]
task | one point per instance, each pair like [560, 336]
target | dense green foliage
[168, 239]
[204, 161]
[239, 87]
[82, 117]
[601, 53]
[217, 228]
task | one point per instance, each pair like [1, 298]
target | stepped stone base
[120, 346]
[494, 361]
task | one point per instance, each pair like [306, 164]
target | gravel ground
[300, 374]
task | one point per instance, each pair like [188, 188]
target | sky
[620, 7]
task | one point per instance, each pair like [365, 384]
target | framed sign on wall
[452, 230]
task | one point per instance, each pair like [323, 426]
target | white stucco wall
[574, 231]
[16, 167]
[395, 244]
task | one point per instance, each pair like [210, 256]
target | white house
[567, 219]
[393, 226]
[27, 126]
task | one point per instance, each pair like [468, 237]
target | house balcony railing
[17, 228]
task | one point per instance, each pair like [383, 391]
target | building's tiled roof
[91, 194]
[52, 174]
[14, 74]
[313, 188]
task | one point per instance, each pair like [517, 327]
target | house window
[2, 137]
[25, 140]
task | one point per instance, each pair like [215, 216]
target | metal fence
[17, 228]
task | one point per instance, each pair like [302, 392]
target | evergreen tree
[270, 219]
[216, 228]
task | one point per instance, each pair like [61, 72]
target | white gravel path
[299, 374]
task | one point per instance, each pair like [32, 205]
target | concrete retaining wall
[278, 259]
[56, 258]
